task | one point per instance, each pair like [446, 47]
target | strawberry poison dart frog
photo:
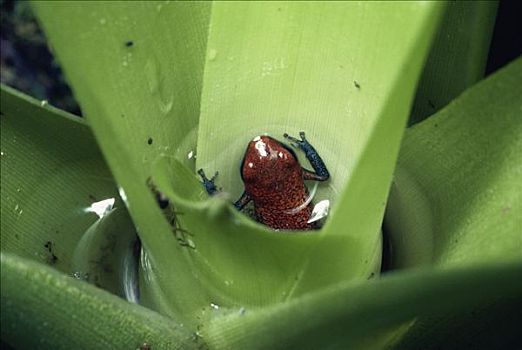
[274, 182]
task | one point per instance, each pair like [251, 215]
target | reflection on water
[305, 203]
[101, 208]
[320, 211]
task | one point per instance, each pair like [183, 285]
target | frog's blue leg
[242, 201]
[321, 173]
[211, 189]
[209, 184]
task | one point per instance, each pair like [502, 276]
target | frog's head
[268, 161]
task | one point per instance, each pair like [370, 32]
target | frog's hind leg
[209, 184]
[212, 189]
[321, 173]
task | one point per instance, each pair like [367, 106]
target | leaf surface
[44, 309]
[458, 56]
[52, 172]
[457, 196]
[352, 315]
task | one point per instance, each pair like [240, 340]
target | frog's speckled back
[274, 181]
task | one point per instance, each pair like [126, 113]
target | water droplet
[242, 311]
[305, 203]
[166, 107]
[190, 243]
[165, 100]
[212, 53]
[101, 208]
[214, 306]
[320, 211]
[269, 68]
[80, 275]
[44, 103]
[151, 71]
[2, 153]
[123, 196]
[191, 155]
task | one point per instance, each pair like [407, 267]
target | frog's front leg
[321, 173]
[209, 184]
[242, 201]
[212, 189]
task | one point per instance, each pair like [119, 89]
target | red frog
[274, 181]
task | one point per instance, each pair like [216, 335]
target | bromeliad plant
[170, 87]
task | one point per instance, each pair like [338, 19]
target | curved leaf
[52, 172]
[58, 312]
[136, 69]
[57, 181]
[456, 200]
[457, 196]
[351, 315]
[458, 57]
[306, 66]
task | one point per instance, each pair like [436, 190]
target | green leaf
[457, 195]
[151, 89]
[285, 67]
[355, 316]
[52, 171]
[357, 243]
[458, 57]
[456, 200]
[43, 309]
[136, 69]
[53, 178]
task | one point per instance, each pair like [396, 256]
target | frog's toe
[291, 138]
[202, 174]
